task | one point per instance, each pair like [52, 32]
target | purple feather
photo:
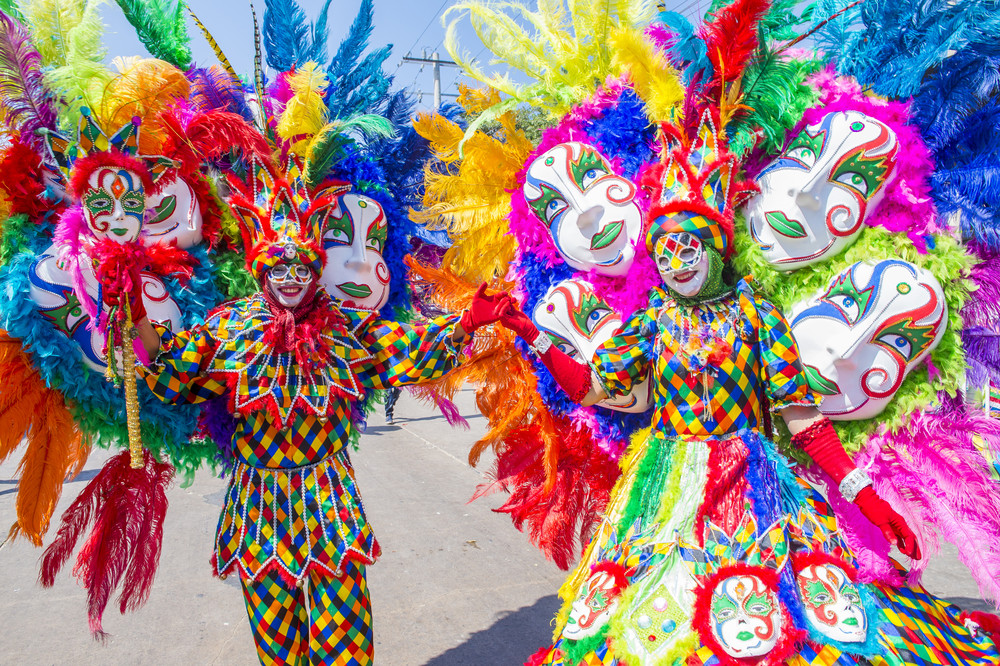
[213, 89]
[217, 421]
[933, 473]
[983, 305]
[27, 102]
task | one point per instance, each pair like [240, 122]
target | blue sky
[409, 25]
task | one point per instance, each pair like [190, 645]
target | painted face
[865, 332]
[682, 262]
[745, 616]
[593, 607]
[354, 243]
[832, 603]
[814, 198]
[289, 283]
[590, 211]
[173, 215]
[114, 204]
[578, 322]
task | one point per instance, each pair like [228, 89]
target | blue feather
[688, 51]
[213, 88]
[290, 39]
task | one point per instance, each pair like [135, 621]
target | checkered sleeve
[786, 380]
[405, 354]
[625, 359]
[177, 374]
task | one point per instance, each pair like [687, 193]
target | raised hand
[483, 310]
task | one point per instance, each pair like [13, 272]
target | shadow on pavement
[970, 604]
[511, 640]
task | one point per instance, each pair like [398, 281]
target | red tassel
[126, 508]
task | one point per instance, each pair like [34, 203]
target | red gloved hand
[483, 310]
[886, 519]
[113, 297]
[821, 442]
[573, 377]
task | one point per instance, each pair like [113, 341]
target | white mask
[578, 322]
[173, 215]
[745, 616]
[861, 336]
[114, 204]
[815, 197]
[593, 607]
[51, 289]
[354, 242]
[589, 210]
[289, 283]
[832, 603]
[682, 263]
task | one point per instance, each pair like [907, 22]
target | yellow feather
[305, 113]
[144, 88]
[656, 82]
[471, 199]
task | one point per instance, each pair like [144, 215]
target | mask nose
[358, 258]
[589, 220]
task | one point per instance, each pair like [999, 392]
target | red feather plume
[124, 510]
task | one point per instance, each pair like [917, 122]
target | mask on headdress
[578, 322]
[283, 223]
[107, 176]
[861, 336]
[589, 209]
[354, 244]
[737, 610]
[174, 215]
[693, 198]
[816, 195]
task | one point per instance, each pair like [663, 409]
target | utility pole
[438, 64]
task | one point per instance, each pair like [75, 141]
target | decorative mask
[832, 603]
[682, 262]
[173, 214]
[354, 243]
[597, 601]
[746, 617]
[589, 209]
[289, 283]
[578, 322]
[114, 203]
[51, 288]
[861, 336]
[816, 195]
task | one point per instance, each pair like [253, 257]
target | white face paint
[289, 283]
[354, 242]
[815, 197]
[114, 204]
[745, 616]
[832, 603]
[173, 215]
[861, 336]
[578, 322]
[682, 263]
[51, 288]
[590, 211]
[593, 607]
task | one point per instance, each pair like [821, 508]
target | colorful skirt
[712, 551]
[293, 521]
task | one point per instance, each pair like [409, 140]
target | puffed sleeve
[625, 359]
[177, 374]
[783, 373]
[404, 354]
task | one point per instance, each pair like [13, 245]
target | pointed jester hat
[694, 187]
[282, 218]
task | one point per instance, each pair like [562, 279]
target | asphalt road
[457, 585]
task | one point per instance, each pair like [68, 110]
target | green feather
[328, 145]
[160, 26]
[9, 7]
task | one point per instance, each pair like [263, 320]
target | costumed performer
[712, 550]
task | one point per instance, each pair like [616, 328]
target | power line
[426, 27]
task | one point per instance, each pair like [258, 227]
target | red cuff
[821, 442]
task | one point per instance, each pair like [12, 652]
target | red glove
[572, 377]
[823, 445]
[113, 297]
[483, 309]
